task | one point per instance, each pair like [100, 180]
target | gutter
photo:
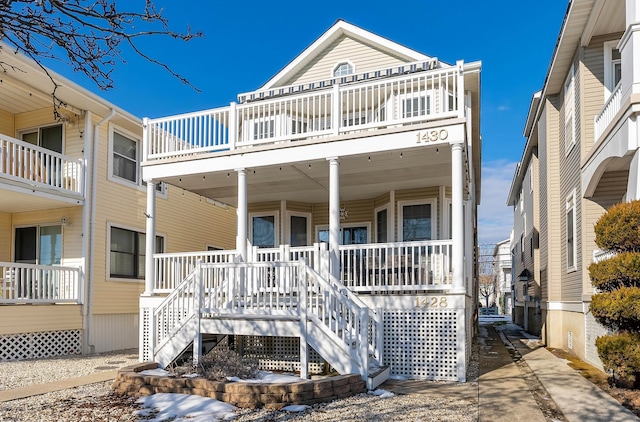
[90, 211]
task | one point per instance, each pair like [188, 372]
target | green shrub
[620, 353]
[621, 270]
[619, 228]
[619, 309]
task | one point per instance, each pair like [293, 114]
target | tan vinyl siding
[569, 172]
[555, 213]
[358, 212]
[364, 58]
[592, 91]
[38, 318]
[299, 206]
[72, 144]
[6, 124]
[5, 237]
[382, 200]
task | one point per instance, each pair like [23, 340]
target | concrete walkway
[37, 389]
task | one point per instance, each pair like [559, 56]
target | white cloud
[495, 218]
[503, 108]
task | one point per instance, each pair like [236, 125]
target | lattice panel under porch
[279, 353]
[146, 347]
[421, 344]
[40, 345]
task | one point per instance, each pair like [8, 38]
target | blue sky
[247, 42]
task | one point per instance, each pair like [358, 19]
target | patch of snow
[383, 394]
[157, 372]
[265, 377]
[296, 408]
[190, 375]
[186, 408]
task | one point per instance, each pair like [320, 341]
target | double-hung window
[569, 111]
[571, 231]
[612, 68]
[125, 160]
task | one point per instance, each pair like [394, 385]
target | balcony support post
[149, 268]
[241, 237]
[334, 218]
[457, 217]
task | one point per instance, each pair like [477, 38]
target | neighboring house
[362, 158]
[502, 275]
[72, 218]
[583, 131]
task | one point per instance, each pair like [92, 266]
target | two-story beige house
[582, 144]
[355, 172]
[72, 217]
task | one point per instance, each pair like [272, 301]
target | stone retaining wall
[240, 394]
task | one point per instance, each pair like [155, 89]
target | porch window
[416, 106]
[416, 221]
[264, 129]
[263, 230]
[343, 69]
[571, 231]
[49, 137]
[612, 68]
[40, 245]
[382, 226]
[299, 232]
[127, 253]
[353, 234]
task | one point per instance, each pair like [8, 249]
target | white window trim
[338, 63]
[276, 223]
[108, 251]
[446, 217]
[125, 182]
[389, 222]
[434, 216]
[530, 177]
[366, 224]
[608, 74]
[571, 204]
[570, 86]
[287, 233]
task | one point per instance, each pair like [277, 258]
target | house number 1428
[432, 135]
[431, 302]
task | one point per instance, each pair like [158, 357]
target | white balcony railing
[609, 111]
[24, 162]
[600, 255]
[28, 283]
[172, 268]
[356, 106]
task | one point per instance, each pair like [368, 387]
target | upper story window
[343, 69]
[416, 106]
[569, 111]
[571, 231]
[612, 68]
[127, 253]
[49, 137]
[125, 159]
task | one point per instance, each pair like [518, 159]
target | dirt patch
[628, 397]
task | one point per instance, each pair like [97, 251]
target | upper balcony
[324, 110]
[27, 169]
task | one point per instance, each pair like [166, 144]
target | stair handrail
[182, 297]
[354, 315]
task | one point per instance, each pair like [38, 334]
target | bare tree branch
[91, 33]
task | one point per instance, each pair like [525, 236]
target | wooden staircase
[280, 299]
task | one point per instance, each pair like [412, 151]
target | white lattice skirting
[40, 345]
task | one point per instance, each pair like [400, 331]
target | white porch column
[630, 49]
[241, 236]
[334, 217]
[633, 183]
[149, 268]
[457, 217]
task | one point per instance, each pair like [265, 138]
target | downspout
[91, 212]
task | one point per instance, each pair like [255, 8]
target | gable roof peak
[338, 29]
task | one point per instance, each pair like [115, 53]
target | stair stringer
[177, 343]
[335, 351]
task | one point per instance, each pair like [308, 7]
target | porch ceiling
[361, 176]
[15, 199]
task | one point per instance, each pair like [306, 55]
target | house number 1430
[431, 302]
[432, 135]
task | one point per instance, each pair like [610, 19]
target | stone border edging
[240, 394]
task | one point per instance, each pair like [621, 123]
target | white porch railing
[28, 283]
[403, 266]
[172, 268]
[24, 162]
[609, 111]
[398, 100]
[600, 255]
